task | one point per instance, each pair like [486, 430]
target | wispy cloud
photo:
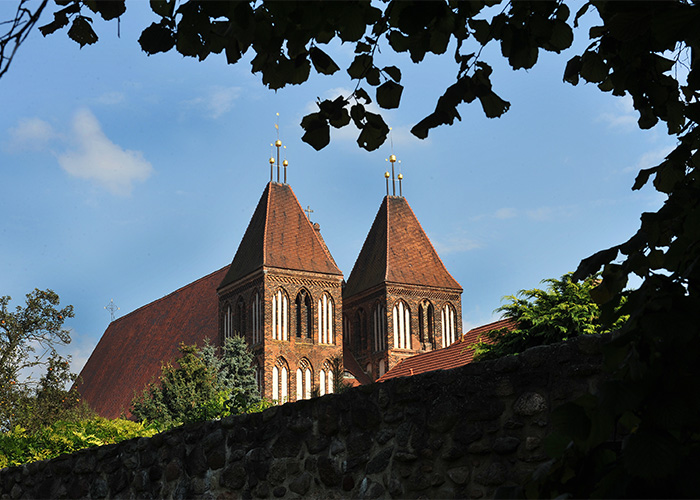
[500, 214]
[96, 158]
[623, 116]
[455, 243]
[30, 134]
[111, 98]
[217, 101]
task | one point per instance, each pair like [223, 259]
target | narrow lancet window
[325, 319]
[402, 325]
[448, 325]
[280, 316]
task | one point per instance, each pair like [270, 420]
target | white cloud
[623, 116]
[217, 101]
[30, 134]
[505, 213]
[454, 243]
[98, 159]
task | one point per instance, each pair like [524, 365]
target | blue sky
[126, 176]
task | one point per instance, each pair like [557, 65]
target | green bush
[20, 446]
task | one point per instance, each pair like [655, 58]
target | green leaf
[393, 72]
[643, 177]
[360, 93]
[110, 9]
[359, 66]
[322, 62]
[493, 105]
[318, 133]
[81, 31]
[389, 95]
[374, 132]
[163, 8]
[593, 68]
[157, 38]
[372, 76]
[573, 68]
[481, 30]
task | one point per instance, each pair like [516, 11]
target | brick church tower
[283, 294]
[399, 300]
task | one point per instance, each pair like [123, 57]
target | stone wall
[474, 432]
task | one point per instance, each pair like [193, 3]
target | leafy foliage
[29, 336]
[564, 310]
[648, 50]
[19, 446]
[200, 385]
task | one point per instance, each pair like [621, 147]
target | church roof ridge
[397, 250]
[277, 237]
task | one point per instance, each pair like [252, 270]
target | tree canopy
[29, 337]
[564, 310]
[200, 384]
[648, 50]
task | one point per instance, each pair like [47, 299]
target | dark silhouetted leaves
[389, 95]
[322, 62]
[81, 31]
[157, 38]
[393, 72]
[317, 132]
[107, 9]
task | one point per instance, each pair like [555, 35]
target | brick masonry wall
[471, 432]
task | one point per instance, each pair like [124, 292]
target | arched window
[304, 378]
[379, 327]
[256, 312]
[448, 325]
[325, 378]
[401, 316]
[382, 367]
[280, 381]
[280, 316]
[304, 315]
[228, 323]
[426, 321]
[360, 331]
[239, 320]
[325, 319]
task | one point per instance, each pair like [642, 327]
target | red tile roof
[132, 349]
[458, 354]
[280, 235]
[397, 250]
[351, 366]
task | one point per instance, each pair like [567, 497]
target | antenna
[112, 308]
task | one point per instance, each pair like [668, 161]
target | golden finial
[392, 160]
[285, 163]
[400, 176]
[386, 176]
[272, 162]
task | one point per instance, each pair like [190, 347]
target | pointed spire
[392, 160]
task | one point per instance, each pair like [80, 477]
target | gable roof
[453, 356]
[397, 250]
[130, 353]
[280, 235]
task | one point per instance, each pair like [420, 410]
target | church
[284, 294]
